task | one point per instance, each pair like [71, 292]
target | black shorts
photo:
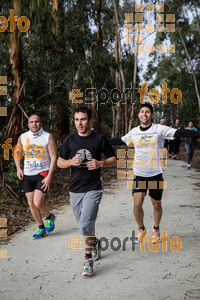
[155, 187]
[32, 183]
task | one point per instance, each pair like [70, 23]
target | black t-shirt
[91, 146]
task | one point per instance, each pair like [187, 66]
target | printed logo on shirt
[146, 141]
[34, 165]
[31, 162]
[85, 155]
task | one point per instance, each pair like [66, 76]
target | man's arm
[20, 173]
[116, 141]
[93, 164]
[52, 153]
[108, 151]
[66, 163]
[186, 133]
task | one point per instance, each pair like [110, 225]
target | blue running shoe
[39, 233]
[50, 224]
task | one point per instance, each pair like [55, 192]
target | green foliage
[175, 68]
[61, 52]
[11, 175]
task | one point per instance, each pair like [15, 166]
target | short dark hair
[84, 109]
[146, 104]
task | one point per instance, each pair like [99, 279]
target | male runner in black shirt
[82, 152]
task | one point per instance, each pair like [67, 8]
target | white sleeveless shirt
[36, 156]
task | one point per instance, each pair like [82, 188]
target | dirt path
[48, 268]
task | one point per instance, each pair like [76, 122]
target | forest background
[82, 45]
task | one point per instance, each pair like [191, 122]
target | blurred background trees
[80, 45]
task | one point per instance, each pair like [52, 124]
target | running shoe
[50, 224]
[88, 267]
[39, 233]
[170, 155]
[156, 234]
[140, 233]
[188, 166]
[175, 156]
[96, 253]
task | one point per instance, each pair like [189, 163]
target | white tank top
[36, 156]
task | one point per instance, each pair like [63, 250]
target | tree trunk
[198, 19]
[16, 72]
[118, 49]
[133, 94]
[93, 105]
[62, 114]
[99, 33]
[118, 105]
[113, 121]
[100, 44]
[192, 69]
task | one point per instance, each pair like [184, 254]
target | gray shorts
[85, 207]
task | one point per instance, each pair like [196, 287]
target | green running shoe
[50, 224]
[39, 233]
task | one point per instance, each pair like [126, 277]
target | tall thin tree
[13, 43]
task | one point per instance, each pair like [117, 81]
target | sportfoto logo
[102, 96]
[36, 151]
[23, 22]
[3, 234]
[3, 91]
[116, 244]
[126, 163]
[74, 94]
[147, 26]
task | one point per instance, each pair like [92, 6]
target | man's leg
[137, 209]
[178, 146]
[170, 148]
[188, 151]
[87, 221]
[175, 147]
[89, 213]
[38, 200]
[157, 212]
[85, 207]
[34, 210]
[192, 152]
[139, 214]
[156, 196]
[89, 239]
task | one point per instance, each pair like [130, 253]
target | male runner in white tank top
[39, 164]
